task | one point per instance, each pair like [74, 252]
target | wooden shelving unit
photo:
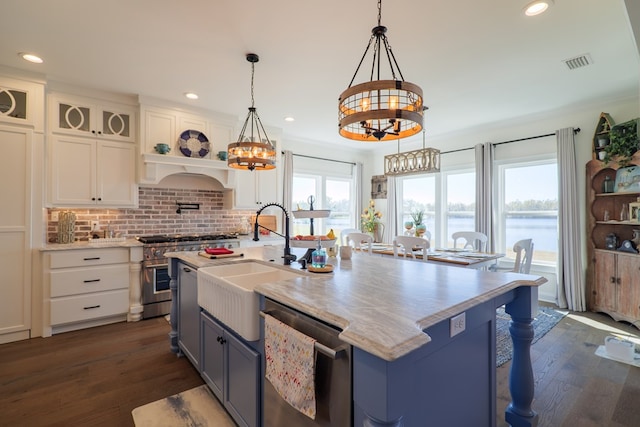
[613, 277]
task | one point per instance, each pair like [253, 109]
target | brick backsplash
[157, 214]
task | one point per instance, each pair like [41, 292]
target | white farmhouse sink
[226, 291]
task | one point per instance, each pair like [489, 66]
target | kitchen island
[423, 335]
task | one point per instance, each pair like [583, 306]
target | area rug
[192, 408]
[544, 321]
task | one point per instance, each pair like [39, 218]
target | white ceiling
[478, 62]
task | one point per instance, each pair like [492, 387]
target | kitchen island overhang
[397, 315]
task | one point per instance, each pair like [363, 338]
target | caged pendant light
[380, 110]
[255, 150]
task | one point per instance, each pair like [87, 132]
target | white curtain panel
[571, 286]
[287, 187]
[392, 207]
[484, 155]
[359, 192]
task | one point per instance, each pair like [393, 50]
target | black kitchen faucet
[288, 256]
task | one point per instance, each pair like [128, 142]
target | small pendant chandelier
[424, 160]
[254, 151]
[380, 110]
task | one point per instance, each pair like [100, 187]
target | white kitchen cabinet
[21, 103]
[165, 125]
[91, 118]
[85, 287]
[255, 188]
[87, 172]
[15, 233]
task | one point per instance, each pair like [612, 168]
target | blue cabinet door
[242, 397]
[212, 363]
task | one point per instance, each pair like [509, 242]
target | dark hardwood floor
[96, 377]
[93, 377]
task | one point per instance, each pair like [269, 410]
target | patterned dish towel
[290, 365]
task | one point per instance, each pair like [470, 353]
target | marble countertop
[381, 304]
[95, 244]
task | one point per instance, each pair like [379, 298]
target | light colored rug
[546, 319]
[192, 408]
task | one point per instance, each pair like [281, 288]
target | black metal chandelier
[255, 150]
[380, 110]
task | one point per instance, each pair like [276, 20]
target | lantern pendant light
[380, 110]
[252, 151]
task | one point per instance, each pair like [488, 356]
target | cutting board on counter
[268, 221]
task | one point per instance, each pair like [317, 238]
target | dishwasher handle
[333, 353]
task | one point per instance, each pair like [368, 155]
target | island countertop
[381, 304]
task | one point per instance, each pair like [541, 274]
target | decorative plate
[194, 144]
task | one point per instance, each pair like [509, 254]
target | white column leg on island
[135, 285]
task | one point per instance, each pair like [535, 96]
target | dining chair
[358, 239]
[472, 239]
[524, 255]
[408, 243]
[344, 233]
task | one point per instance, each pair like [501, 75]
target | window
[454, 190]
[528, 208]
[329, 192]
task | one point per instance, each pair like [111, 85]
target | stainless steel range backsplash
[157, 214]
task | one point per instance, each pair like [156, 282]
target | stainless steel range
[156, 295]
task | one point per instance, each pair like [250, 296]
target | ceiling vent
[578, 61]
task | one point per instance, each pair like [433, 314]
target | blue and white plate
[194, 143]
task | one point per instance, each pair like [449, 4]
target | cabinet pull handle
[618, 280]
[186, 269]
[612, 279]
[221, 340]
[92, 258]
[92, 306]
[91, 280]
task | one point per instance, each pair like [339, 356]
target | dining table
[466, 258]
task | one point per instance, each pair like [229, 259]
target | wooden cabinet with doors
[613, 276]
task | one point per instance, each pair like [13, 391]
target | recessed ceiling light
[31, 57]
[191, 95]
[537, 7]
[289, 119]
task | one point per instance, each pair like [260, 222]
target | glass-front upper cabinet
[88, 117]
[21, 102]
[13, 103]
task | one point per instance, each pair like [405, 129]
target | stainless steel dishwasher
[333, 380]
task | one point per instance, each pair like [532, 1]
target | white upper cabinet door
[92, 173]
[73, 171]
[92, 118]
[116, 174]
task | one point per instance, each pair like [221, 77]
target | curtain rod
[321, 158]
[576, 130]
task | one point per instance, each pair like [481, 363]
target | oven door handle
[156, 265]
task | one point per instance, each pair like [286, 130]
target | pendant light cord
[379, 12]
[253, 68]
